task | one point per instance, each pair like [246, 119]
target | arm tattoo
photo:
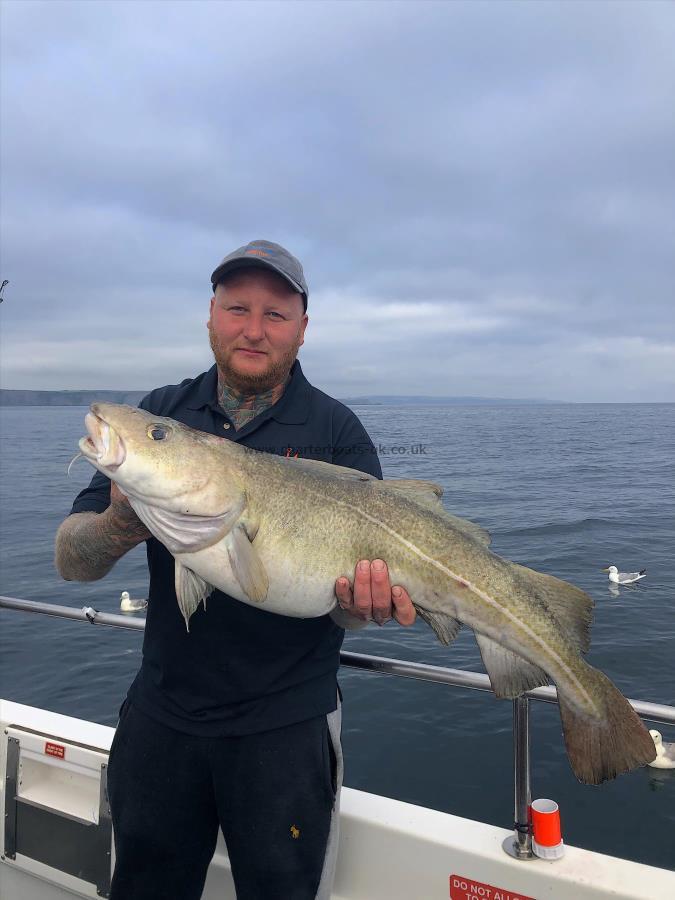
[89, 544]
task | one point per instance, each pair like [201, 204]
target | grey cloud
[513, 160]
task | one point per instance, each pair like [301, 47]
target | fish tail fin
[613, 741]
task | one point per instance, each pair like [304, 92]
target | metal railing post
[522, 844]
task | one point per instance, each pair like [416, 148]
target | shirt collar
[206, 392]
[291, 409]
[293, 406]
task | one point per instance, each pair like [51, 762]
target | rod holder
[522, 842]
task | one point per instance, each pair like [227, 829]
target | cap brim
[253, 263]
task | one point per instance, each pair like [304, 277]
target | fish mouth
[103, 446]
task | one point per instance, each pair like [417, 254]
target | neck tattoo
[241, 408]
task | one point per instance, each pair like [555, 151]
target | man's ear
[304, 321]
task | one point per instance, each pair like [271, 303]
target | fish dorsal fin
[571, 607]
[318, 467]
[246, 564]
[469, 528]
[428, 493]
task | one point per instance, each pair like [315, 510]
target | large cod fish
[276, 533]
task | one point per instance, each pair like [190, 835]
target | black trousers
[271, 793]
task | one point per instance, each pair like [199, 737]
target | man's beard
[253, 383]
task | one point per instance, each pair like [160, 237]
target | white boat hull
[388, 849]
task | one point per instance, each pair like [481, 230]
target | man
[236, 723]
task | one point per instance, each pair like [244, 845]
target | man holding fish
[234, 723]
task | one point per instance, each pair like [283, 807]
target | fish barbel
[276, 533]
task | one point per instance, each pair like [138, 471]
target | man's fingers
[380, 590]
[372, 596]
[343, 592]
[363, 601]
[404, 611]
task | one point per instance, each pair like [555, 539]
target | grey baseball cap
[265, 255]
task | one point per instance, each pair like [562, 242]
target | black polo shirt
[240, 670]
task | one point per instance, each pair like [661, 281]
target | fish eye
[157, 432]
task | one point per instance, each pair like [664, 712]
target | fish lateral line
[464, 583]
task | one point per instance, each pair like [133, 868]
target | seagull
[129, 605]
[617, 577]
[665, 753]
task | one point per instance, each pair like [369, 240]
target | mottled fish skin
[276, 533]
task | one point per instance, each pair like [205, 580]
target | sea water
[565, 489]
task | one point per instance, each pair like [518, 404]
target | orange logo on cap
[257, 252]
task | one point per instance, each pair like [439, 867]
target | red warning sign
[55, 750]
[467, 889]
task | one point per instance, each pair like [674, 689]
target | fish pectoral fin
[246, 564]
[428, 494]
[510, 674]
[251, 526]
[445, 626]
[190, 591]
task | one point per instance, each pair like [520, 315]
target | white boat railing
[521, 845]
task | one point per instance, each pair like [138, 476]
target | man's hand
[123, 516]
[373, 597]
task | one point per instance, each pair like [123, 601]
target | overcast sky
[482, 194]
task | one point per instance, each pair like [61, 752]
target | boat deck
[388, 849]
